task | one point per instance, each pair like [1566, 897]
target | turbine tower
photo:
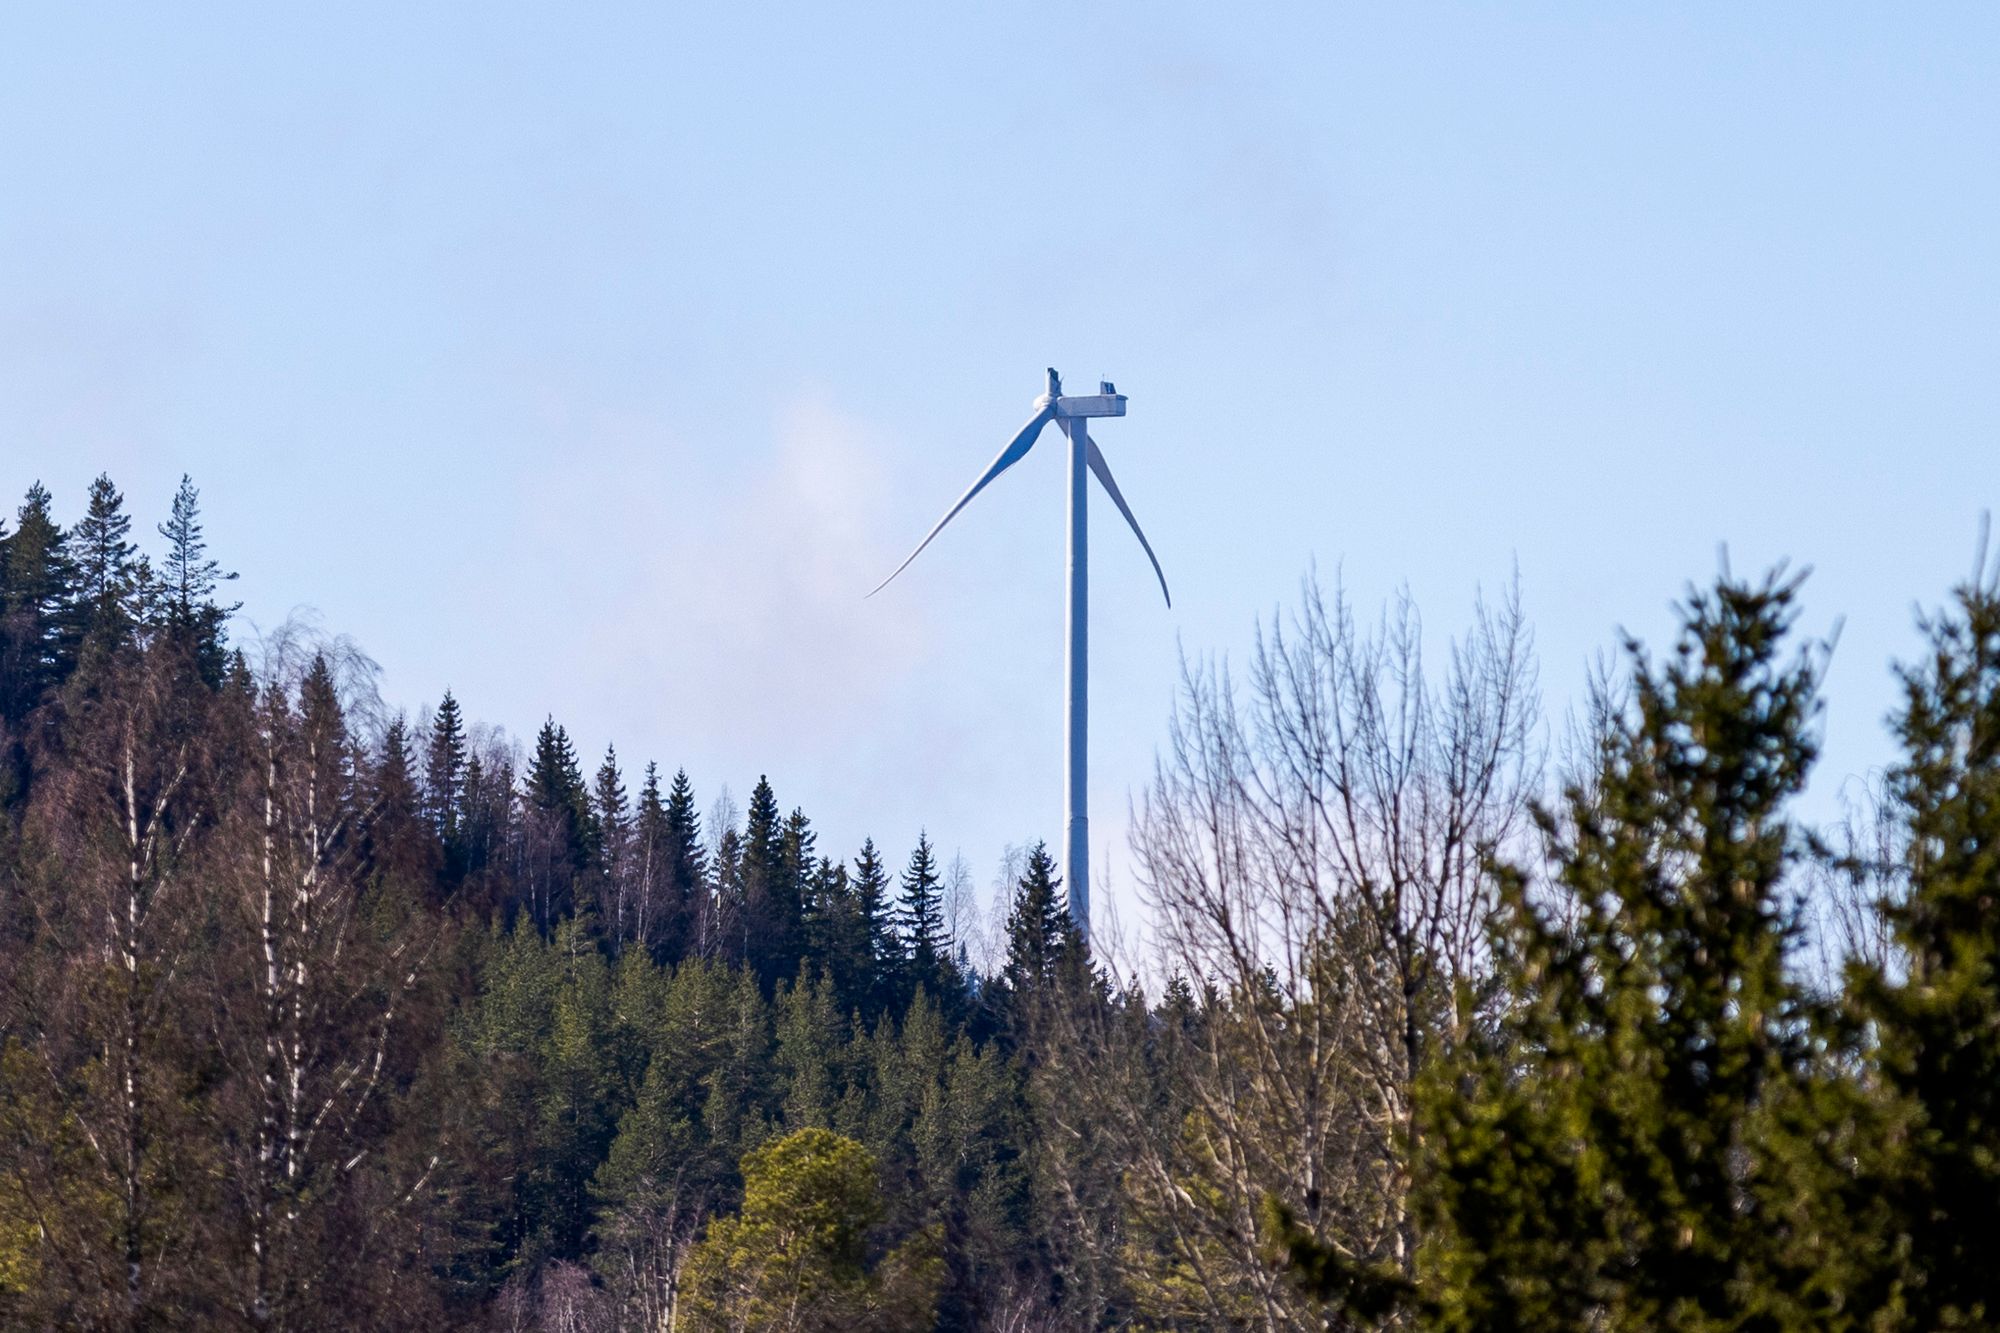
[1072, 416]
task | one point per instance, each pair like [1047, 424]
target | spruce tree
[721, 934]
[399, 844]
[444, 778]
[560, 829]
[796, 862]
[1041, 937]
[191, 616]
[810, 1041]
[687, 870]
[649, 863]
[1629, 1146]
[828, 906]
[612, 819]
[35, 650]
[1937, 1019]
[112, 579]
[769, 884]
[873, 966]
[925, 945]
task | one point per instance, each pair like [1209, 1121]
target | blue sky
[593, 360]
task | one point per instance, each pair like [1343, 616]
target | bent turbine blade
[1103, 471]
[1016, 450]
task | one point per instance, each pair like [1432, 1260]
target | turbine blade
[1103, 471]
[1016, 450]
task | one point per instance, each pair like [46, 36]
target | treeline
[315, 1020]
[310, 1024]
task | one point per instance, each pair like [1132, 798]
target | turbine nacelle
[1054, 405]
[1106, 404]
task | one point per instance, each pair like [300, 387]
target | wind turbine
[1071, 416]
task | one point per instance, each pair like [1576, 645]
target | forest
[1449, 1015]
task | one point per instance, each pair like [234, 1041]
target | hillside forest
[1446, 1015]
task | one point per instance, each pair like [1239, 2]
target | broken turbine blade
[1016, 450]
[1103, 471]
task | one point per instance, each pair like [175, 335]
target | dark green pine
[1635, 1142]
[444, 777]
[35, 647]
[112, 580]
[925, 944]
[687, 871]
[189, 613]
[1937, 1020]
[1040, 934]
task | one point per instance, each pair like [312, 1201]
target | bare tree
[642, 1248]
[312, 1001]
[1315, 853]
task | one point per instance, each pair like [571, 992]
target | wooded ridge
[312, 1017]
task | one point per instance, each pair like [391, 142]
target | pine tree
[561, 832]
[1628, 1147]
[770, 913]
[811, 1036]
[1937, 1021]
[797, 860]
[35, 650]
[926, 947]
[649, 863]
[112, 579]
[190, 614]
[1042, 941]
[612, 873]
[444, 780]
[687, 871]
[873, 979]
[400, 845]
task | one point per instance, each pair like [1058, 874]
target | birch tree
[1314, 850]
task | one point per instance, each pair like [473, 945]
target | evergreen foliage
[1936, 1017]
[189, 580]
[112, 580]
[923, 942]
[35, 648]
[1644, 1171]
[310, 1021]
[445, 780]
[795, 1257]
[687, 869]
[1041, 937]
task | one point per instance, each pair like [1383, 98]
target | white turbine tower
[1071, 415]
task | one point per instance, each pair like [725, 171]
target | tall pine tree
[770, 912]
[189, 579]
[444, 781]
[35, 649]
[560, 835]
[926, 944]
[1042, 940]
[687, 872]
[112, 578]
[869, 968]
[1630, 1146]
[1937, 1019]
[612, 871]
